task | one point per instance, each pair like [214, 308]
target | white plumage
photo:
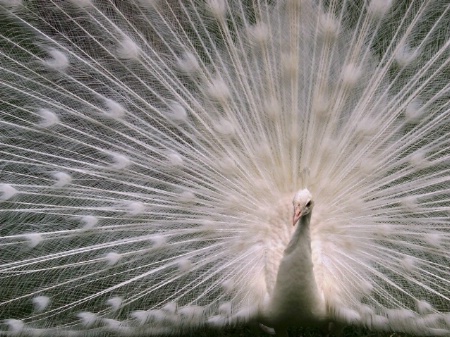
[150, 151]
[295, 299]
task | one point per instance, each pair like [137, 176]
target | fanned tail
[149, 152]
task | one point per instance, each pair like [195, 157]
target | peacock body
[150, 151]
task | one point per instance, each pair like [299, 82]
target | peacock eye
[308, 203]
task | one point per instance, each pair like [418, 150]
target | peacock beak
[297, 215]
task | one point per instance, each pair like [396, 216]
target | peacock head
[303, 205]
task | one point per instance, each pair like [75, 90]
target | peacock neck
[301, 238]
[296, 298]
